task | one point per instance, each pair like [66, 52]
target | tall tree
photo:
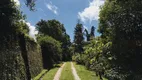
[78, 37]
[52, 28]
[90, 36]
[57, 31]
[121, 23]
[87, 35]
[92, 31]
[30, 4]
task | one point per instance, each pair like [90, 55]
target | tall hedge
[20, 57]
[35, 57]
[51, 51]
[12, 64]
[17, 63]
[32, 56]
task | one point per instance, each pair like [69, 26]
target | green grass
[85, 74]
[67, 72]
[51, 73]
[38, 76]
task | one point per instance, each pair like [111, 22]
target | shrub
[51, 51]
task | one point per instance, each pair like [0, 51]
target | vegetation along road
[70, 71]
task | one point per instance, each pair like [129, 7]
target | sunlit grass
[85, 74]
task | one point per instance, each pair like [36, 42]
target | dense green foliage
[78, 37]
[10, 57]
[56, 30]
[117, 52]
[52, 28]
[18, 52]
[51, 51]
[120, 22]
[34, 56]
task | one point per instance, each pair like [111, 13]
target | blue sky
[66, 11]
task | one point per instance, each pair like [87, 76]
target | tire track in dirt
[58, 73]
[76, 77]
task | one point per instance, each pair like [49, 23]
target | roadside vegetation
[85, 74]
[40, 75]
[116, 53]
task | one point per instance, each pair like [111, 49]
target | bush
[79, 58]
[95, 56]
[51, 51]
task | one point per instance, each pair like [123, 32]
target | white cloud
[92, 12]
[52, 7]
[33, 31]
[17, 2]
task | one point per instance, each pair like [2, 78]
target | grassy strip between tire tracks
[67, 72]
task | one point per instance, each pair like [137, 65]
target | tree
[30, 4]
[78, 37]
[92, 35]
[120, 23]
[66, 55]
[87, 35]
[56, 30]
[52, 28]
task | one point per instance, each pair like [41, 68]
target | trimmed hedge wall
[35, 57]
[11, 62]
[20, 58]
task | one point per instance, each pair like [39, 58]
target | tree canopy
[78, 37]
[120, 23]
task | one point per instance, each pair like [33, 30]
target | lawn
[67, 72]
[85, 74]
